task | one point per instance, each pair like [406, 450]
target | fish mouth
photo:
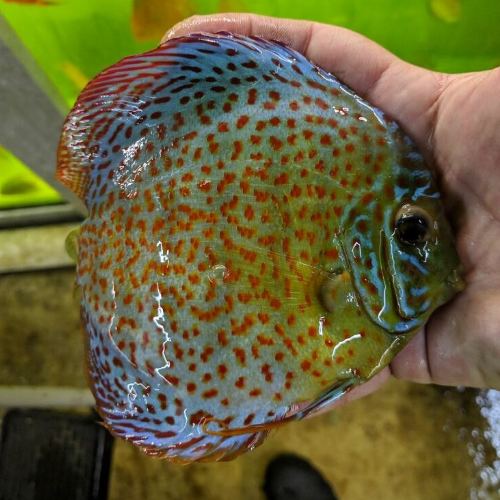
[454, 281]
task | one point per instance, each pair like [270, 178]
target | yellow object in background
[446, 10]
[19, 186]
[75, 74]
[150, 18]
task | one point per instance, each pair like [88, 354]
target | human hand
[455, 122]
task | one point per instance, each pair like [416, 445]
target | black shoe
[289, 477]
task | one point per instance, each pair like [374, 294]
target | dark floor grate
[48, 455]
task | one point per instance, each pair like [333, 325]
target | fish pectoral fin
[332, 394]
[71, 244]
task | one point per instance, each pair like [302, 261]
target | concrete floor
[406, 441]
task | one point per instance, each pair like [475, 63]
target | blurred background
[429, 442]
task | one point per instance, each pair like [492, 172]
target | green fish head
[400, 248]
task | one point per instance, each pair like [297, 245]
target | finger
[334, 49]
[463, 340]
[412, 363]
[408, 93]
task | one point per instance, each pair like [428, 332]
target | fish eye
[413, 225]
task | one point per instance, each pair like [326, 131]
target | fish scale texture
[237, 258]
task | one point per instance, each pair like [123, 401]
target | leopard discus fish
[259, 241]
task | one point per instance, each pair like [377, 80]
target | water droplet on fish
[321, 322]
[218, 273]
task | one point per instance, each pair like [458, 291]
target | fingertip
[412, 362]
[178, 29]
[355, 59]
[236, 21]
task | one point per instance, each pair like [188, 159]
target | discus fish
[260, 240]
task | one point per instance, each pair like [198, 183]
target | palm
[463, 338]
[454, 121]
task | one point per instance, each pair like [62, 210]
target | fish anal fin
[332, 394]
[225, 431]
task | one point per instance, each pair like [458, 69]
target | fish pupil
[412, 229]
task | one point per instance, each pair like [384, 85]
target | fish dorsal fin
[111, 102]
[114, 110]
